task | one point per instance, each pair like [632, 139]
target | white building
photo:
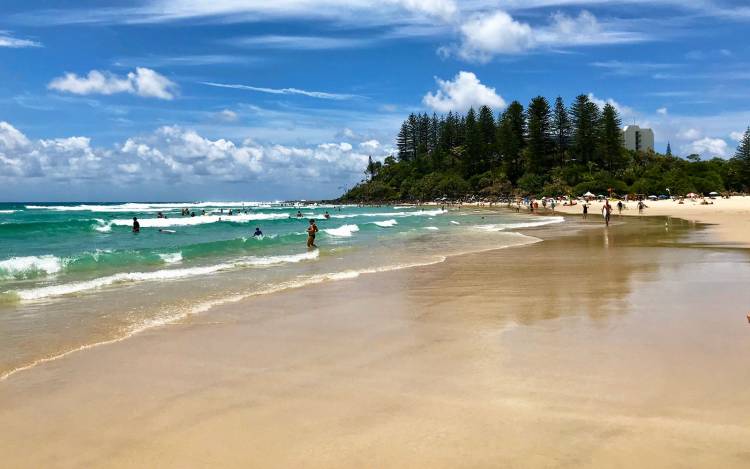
[637, 138]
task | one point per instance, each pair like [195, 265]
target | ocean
[74, 275]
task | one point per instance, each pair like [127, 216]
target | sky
[255, 100]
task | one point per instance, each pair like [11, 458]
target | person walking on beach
[619, 207]
[585, 211]
[136, 226]
[606, 212]
[552, 204]
[641, 206]
[311, 231]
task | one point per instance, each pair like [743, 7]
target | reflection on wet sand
[567, 353]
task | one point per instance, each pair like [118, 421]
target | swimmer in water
[327, 215]
[311, 231]
[257, 232]
[136, 226]
[299, 214]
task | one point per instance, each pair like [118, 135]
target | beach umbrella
[588, 194]
[713, 193]
[652, 197]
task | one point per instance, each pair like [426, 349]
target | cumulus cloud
[662, 111]
[690, 134]
[6, 40]
[737, 136]
[142, 82]
[175, 154]
[707, 146]
[463, 92]
[486, 35]
[370, 145]
[623, 110]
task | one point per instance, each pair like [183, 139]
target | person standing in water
[606, 212]
[136, 226]
[311, 231]
[257, 232]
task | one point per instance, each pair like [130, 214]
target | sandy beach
[728, 220]
[619, 347]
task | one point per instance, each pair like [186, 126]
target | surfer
[311, 231]
[136, 225]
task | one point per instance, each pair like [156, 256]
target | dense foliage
[541, 150]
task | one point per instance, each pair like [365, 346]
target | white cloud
[707, 146]
[173, 153]
[624, 111]
[737, 136]
[299, 42]
[486, 35]
[6, 40]
[370, 144]
[690, 134]
[143, 82]
[464, 92]
[662, 111]
[297, 91]
[228, 115]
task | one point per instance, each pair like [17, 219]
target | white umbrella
[588, 194]
[713, 193]
[652, 197]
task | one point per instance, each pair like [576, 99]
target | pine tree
[511, 139]
[402, 142]
[560, 130]
[669, 149]
[610, 138]
[742, 159]
[584, 116]
[473, 144]
[488, 135]
[539, 141]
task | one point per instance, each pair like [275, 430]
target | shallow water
[74, 275]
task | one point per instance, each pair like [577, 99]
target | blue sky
[249, 99]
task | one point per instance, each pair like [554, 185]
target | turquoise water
[73, 275]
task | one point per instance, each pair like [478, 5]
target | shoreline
[407, 366]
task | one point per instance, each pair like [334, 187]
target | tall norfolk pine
[540, 151]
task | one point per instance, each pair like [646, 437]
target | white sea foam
[386, 223]
[455, 222]
[345, 231]
[8, 212]
[158, 275]
[102, 226]
[431, 228]
[172, 257]
[147, 207]
[21, 267]
[422, 213]
[200, 220]
[519, 225]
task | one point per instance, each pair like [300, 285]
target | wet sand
[625, 347]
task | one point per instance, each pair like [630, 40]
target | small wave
[520, 225]
[431, 228]
[171, 258]
[145, 207]
[345, 231]
[158, 275]
[30, 267]
[422, 213]
[386, 223]
[102, 226]
[200, 220]
[454, 222]
[8, 212]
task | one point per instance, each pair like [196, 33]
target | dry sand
[729, 218]
[623, 347]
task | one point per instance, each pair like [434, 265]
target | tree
[473, 144]
[669, 149]
[610, 139]
[742, 158]
[512, 140]
[488, 136]
[539, 140]
[561, 130]
[584, 116]
[373, 168]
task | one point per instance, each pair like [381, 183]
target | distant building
[638, 139]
